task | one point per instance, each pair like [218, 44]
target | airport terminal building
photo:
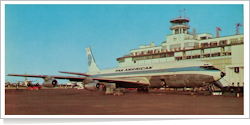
[225, 53]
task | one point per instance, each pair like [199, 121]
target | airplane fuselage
[171, 74]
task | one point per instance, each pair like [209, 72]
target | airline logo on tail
[89, 59]
[91, 62]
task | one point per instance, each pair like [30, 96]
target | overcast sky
[45, 39]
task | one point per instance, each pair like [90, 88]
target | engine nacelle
[50, 82]
[92, 86]
[88, 80]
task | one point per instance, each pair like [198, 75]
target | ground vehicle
[34, 87]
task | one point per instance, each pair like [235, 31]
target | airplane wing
[135, 80]
[72, 78]
[75, 73]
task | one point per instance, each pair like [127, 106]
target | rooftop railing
[187, 18]
[179, 25]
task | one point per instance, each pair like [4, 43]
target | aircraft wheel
[104, 89]
[145, 90]
[139, 89]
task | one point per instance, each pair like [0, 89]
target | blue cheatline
[196, 68]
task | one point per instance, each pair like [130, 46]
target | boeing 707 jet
[178, 74]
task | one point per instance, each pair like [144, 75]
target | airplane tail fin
[91, 61]
[25, 77]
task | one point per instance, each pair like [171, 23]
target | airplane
[27, 83]
[178, 74]
[8, 84]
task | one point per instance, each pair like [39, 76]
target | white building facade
[225, 53]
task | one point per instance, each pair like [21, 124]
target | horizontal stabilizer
[75, 73]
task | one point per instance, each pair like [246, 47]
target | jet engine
[49, 81]
[90, 84]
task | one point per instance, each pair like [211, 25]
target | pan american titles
[133, 69]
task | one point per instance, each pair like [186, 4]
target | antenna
[217, 31]
[25, 77]
[237, 28]
[194, 31]
[183, 12]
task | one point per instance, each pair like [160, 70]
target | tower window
[176, 31]
[202, 38]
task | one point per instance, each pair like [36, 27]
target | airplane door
[163, 83]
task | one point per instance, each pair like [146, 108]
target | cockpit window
[208, 68]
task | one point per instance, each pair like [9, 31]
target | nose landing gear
[209, 88]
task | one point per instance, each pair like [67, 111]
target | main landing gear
[144, 90]
[110, 89]
[194, 91]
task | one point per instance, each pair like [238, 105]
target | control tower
[180, 25]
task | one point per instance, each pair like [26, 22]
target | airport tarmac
[84, 102]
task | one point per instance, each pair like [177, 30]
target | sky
[43, 39]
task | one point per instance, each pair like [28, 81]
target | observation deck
[179, 22]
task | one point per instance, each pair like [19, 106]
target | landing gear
[110, 89]
[17, 86]
[119, 91]
[209, 87]
[194, 91]
[115, 91]
[144, 90]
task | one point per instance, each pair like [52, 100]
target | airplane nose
[222, 74]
